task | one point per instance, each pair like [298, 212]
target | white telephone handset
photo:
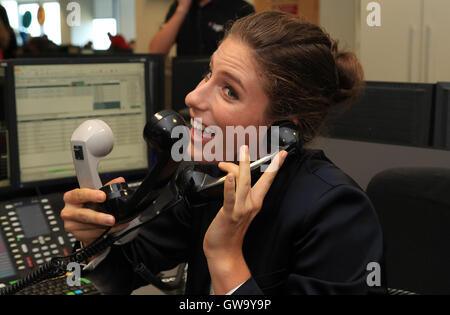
[90, 142]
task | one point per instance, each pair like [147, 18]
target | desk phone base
[32, 233]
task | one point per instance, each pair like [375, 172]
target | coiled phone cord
[57, 266]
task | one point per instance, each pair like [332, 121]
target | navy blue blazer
[315, 234]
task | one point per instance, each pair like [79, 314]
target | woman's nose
[198, 99]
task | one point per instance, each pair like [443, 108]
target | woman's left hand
[223, 241]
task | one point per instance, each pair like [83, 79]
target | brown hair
[304, 74]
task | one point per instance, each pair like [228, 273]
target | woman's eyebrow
[233, 78]
[227, 74]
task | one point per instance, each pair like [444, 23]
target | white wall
[150, 16]
[127, 20]
[338, 18]
[103, 9]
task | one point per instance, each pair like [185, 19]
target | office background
[402, 120]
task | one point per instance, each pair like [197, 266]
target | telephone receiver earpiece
[90, 142]
[200, 183]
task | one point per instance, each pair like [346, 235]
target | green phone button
[85, 280]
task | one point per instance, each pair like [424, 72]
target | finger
[87, 216]
[229, 193]
[88, 236]
[244, 179]
[117, 180]
[81, 232]
[230, 168]
[84, 195]
[74, 226]
[262, 186]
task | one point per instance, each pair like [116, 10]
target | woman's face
[231, 95]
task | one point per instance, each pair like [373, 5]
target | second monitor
[187, 72]
[53, 97]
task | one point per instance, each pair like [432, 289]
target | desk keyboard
[59, 286]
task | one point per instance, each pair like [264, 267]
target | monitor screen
[52, 100]
[4, 135]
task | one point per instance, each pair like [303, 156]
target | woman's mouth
[200, 132]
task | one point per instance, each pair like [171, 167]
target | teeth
[208, 132]
[197, 125]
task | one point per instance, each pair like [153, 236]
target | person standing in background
[197, 26]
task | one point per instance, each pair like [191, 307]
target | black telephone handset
[194, 182]
[200, 183]
[125, 204]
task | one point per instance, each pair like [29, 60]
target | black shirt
[204, 27]
[316, 234]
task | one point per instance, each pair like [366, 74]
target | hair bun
[350, 75]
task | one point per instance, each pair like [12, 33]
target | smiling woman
[230, 95]
[305, 228]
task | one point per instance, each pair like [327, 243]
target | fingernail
[109, 220]
[230, 178]
[100, 196]
[243, 153]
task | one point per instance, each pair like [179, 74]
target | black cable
[38, 191]
[57, 266]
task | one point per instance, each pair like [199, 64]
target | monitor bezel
[154, 99]
[422, 138]
[7, 190]
[201, 63]
[441, 117]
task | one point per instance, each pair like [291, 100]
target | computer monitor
[52, 97]
[388, 112]
[5, 181]
[441, 137]
[187, 72]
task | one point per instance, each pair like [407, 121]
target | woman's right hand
[85, 224]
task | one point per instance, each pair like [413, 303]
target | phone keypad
[25, 252]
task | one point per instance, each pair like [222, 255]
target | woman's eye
[229, 92]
